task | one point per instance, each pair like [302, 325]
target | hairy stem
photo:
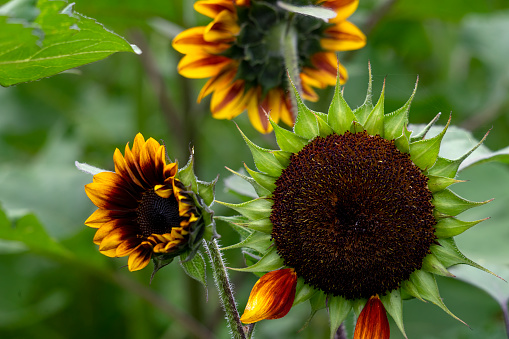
[290, 53]
[224, 289]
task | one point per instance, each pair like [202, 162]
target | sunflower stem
[224, 289]
[291, 58]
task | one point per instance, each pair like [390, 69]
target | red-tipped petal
[271, 297]
[372, 322]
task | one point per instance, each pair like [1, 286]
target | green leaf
[29, 231]
[195, 268]
[339, 308]
[424, 153]
[56, 40]
[315, 11]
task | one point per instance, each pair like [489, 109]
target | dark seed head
[156, 215]
[353, 215]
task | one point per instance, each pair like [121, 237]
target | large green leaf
[57, 39]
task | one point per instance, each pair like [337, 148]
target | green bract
[438, 209]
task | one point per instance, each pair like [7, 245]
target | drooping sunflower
[354, 212]
[242, 52]
[144, 210]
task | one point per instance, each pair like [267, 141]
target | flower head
[358, 208]
[144, 210]
[241, 52]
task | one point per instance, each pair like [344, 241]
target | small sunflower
[241, 52]
[353, 213]
[144, 210]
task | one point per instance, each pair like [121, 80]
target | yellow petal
[343, 8]
[271, 297]
[201, 65]
[192, 41]
[219, 81]
[229, 102]
[139, 258]
[258, 110]
[223, 28]
[372, 322]
[212, 8]
[344, 36]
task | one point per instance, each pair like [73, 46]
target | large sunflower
[354, 213]
[242, 52]
[143, 209]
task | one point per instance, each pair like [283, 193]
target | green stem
[291, 58]
[224, 289]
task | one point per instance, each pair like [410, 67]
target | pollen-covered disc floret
[357, 207]
[353, 215]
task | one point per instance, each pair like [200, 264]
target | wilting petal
[271, 297]
[201, 65]
[192, 41]
[372, 322]
[344, 36]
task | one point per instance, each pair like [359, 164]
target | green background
[66, 289]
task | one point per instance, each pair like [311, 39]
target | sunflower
[144, 211]
[241, 52]
[354, 212]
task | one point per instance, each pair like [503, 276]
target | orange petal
[201, 65]
[271, 297]
[344, 36]
[218, 82]
[109, 191]
[192, 41]
[372, 322]
[229, 102]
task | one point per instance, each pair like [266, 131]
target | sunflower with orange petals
[144, 210]
[242, 52]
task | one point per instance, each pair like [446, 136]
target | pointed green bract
[451, 227]
[338, 310]
[374, 124]
[438, 183]
[264, 180]
[394, 306]
[362, 112]
[431, 264]
[306, 124]
[254, 209]
[424, 153]
[422, 134]
[287, 140]
[395, 123]
[264, 160]
[269, 262]
[283, 157]
[260, 190]
[448, 203]
[303, 293]
[340, 115]
[257, 241]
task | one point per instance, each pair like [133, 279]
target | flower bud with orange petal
[372, 322]
[271, 297]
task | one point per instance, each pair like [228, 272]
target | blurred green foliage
[64, 288]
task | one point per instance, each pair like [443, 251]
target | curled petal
[271, 297]
[201, 65]
[192, 41]
[213, 8]
[344, 36]
[372, 322]
[223, 28]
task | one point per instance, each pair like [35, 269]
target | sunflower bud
[271, 297]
